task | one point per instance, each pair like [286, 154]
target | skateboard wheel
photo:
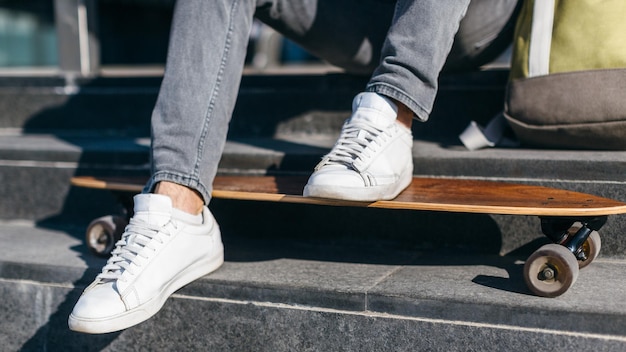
[102, 234]
[551, 270]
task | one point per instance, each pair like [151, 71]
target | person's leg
[172, 238]
[190, 121]
[411, 39]
[185, 158]
[416, 48]
[372, 159]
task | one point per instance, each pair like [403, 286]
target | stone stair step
[295, 295]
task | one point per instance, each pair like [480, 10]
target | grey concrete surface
[264, 300]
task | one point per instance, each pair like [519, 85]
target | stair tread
[347, 277]
[262, 153]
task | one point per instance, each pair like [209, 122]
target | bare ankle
[405, 115]
[183, 198]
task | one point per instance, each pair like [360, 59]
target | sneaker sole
[145, 311]
[359, 194]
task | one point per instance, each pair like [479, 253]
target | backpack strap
[541, 38]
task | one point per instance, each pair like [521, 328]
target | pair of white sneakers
[163, 249]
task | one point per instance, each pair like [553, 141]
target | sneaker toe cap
[99, 302]
[336, 178]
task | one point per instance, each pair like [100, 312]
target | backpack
[567, 85]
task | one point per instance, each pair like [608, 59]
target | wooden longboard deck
[432, 194]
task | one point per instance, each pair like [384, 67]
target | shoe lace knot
[358, 142]
[139, 241]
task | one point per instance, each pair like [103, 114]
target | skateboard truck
[572, 233]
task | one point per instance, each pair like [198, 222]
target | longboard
[571, 220]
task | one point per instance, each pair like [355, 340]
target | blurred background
[91, 37]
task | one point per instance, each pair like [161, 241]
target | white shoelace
[358, 140]
[137, 236]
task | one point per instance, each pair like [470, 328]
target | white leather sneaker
[372, 159]
[156, 256]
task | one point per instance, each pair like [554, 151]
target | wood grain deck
[430, 194]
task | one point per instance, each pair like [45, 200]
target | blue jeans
[403, 44]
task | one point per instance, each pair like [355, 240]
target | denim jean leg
[402, 44]
[418, 42]
[206, 54]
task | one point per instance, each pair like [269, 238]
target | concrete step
[295, 294]
[266, 103]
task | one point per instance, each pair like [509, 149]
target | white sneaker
[372, 160]
[156, 256]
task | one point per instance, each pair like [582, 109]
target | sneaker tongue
[376, 109]
[153, 208]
